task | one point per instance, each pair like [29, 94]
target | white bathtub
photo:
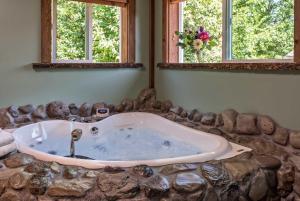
[124, 140]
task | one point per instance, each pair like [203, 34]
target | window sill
[83, 66]
[256, 67]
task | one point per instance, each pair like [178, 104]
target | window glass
[70, 39]
[106, 33]
[262, 29]
[206, 13]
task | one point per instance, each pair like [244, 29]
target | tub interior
[133, 138]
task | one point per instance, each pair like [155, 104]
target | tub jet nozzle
[76, 135]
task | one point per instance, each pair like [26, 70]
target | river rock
[119, 108]
[98, 106]
[74, 109]
[70, 172]
[143, 170]
[55, 168]
[268, 162]
[197, 117]
[295, 140]
[263, 147]
[189, 182]
[271, 178]
[155, 186]
[229, 119]
[259, 187]
[10, 196]
[177, 110]
[281, 136]
[85, 110]
[211, 195]
[19, 180]
[18, 160]
[215, 174]
[215, 131]
[191, 114]
[184, 114]
[38, 184]
[156, 104]
[57, 110]
[5, 118]
[111, 108]
[295, 160]
[118, 186]
[285, 177]
[175, 168]
[239, 169]
[127, 105]
[44, 198]
[26, 109]
[70, 188]
[219, 121]
[23, 119]
[110, 169]
[231, 193]
[38, 167]
[91, 174]
[266, 125]
[40, 112]
[166, 106]
[208, 119]
[147, 94]
[3, 185]
[297, 183]
[246, 124]
[13, 111]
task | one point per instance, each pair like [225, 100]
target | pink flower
[204, 36]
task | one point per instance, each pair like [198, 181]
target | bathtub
[123, 140]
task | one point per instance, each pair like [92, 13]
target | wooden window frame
[171, 24]
[127, 28]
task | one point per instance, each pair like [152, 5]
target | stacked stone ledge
[270, 172]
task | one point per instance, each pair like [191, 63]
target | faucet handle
[76, 134]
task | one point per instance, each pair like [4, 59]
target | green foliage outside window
[106, 30]
[71, 32]
[262, 29]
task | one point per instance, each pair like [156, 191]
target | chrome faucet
[75, 136]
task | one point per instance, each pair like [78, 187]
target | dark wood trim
[82, 66]
[131, 27]
[170, 26]
[46, 31]
[119, 3]
[128, 32]
[297, 32]
[231, 66]
[152, 43]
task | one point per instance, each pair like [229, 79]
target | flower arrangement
[196, 41]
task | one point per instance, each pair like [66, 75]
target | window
[88, 31]
[245, 31]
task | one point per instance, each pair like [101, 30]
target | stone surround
[270, 172]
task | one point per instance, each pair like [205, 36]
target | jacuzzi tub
[123, 140]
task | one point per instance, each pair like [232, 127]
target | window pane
[70, 30]
[206, 13]
[263, 29]
[106, 33]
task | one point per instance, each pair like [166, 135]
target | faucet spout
[75, 136]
